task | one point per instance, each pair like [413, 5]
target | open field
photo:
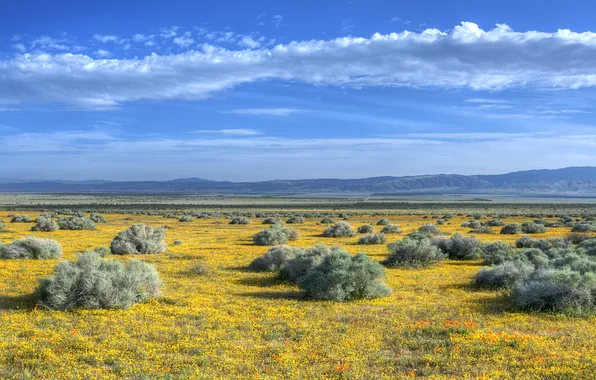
[231, 323]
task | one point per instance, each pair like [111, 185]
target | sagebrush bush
[98, 218]
[383, 222]
[31, 248]
[390, 229]
[304, 261]
[483, 230]
[326, 220]
[460, 247]
[412, 253]
[276, 234]
[495, 223]
[584, 227]
[92, 282]
[369, 239]
[534, 256]
[295, 220]
[342, 277]
[497, 252]
[1, 225]
[271, 220]
[139, 239]
[45, 224]
[177, 242]
[186, 219]
[556, 291]
[429, 229]
[511, 229]
[240, 220]
[339, 229]
[472, 224]
[366, 229]
[533, 228]
[503, 276]
[275, 259]
[21, 219]
[76, 223]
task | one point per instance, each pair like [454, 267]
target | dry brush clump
[31, 248]
[139, 239]
[276, 234]
[93, 282]
[339, 229]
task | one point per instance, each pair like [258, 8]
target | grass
[239, 324]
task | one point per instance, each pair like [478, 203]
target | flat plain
[231, 323]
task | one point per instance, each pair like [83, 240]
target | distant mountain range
[567, 181]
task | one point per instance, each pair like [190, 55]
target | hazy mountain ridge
[573, 180]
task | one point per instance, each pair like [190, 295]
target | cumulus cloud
[106, 38]
[103, 53]
[265, 111]
[184, 40]
[231, 132]
[464, 57]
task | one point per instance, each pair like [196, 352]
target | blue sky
[255, 90]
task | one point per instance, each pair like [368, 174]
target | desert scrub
[93, 282]
[495, 223]
[271, 220]
[1, 225]
[139, 239]
[412, 253]
[45, 224]
[429, 229]
[497, 252]
[240, 220]
[326, 220]
[31, 248]
[533, 228]
[369, 239]
[275, 259]
[98, 218]
[276, 234]
[528, 242]
[503, 276]
[482, 230]
[177, 242]
[472, 224]
[342, 277]
[339, 229]
[460, 247]
[383, 222]
[186, 219]
[366, 229]
[511, 229]
[21, 219]
[584, 227]
[76, 223]
[304, 261]
[295, 220]
[390, 229]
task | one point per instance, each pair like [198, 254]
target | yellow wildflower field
[234, 324]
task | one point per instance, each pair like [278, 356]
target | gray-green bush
[429, 229]
[92, 282]
[21, 219]
[240, 220]
[139, 239]
[342, 277]
[31, 248]
[339, 229]
[76, 223]
[412, 253]
[305, 261]
[275, 259]
[460, 247]
[370, 239]
[366, 229]
[295, 220]
[533, 228]
[383, 222]
[504, 275]
[186, 219]
[45, 224]
[497, 252]
[98, 218]
[390, 229]
[275, 234]
[511, 229]
[271, 220]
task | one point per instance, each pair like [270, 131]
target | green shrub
[584, 227]
[92, 282]
[98, 218]
[412, 253]
[240, 220]
[472, 224]
[177, 242]
[342, 277]
[534, 256]
[460, 247]
[391, 229]
[186, 219]
[383, 222]
[429, 229]
[528, 242]
[295, 220]
[511, 229]
[305, 261]
[1, 225]
[504, 275]
[366, 229]
[556, 291]
[275, 234]
[495, 223]
[339, 229]
[497, 252]
[45, 224]
[533, 228]
[326, 220]
[483, 230]
[76, 223]
[271, 220]
[21, 219]
[102, 251]
[275, 259]
[31, 248]
[369, 239]
[139, 239]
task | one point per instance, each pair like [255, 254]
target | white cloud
[395, 19]
[106, 38]
[277, 20]
[465, 57]
[169, 32]
[45, 42]
[265, 111]
[184, 40]
[249, 42]
[231, 132]
[139, 38]
[20, 47]
[103, 53]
